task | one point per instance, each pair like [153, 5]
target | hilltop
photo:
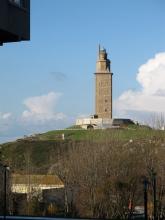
[40, 151]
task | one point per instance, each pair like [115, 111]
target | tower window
[105, 110]
[106, 100]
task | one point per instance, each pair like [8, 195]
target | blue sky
[47, 82]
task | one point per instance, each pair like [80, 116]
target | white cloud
[151, 96]
[41, 115]
[151, 75]
[41, 109]
[5, 116]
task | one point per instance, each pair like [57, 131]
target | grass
[131, 132]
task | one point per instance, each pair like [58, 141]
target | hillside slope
[40, 151]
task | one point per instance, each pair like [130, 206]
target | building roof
[36, 179]
[122, 121]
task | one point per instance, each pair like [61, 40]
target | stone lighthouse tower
[103, 76]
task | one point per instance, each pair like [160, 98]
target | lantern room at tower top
[103, 63]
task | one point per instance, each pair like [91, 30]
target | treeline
[106, 178]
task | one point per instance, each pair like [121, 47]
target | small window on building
[105, 110]
[106, 100]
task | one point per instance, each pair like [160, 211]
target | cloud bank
[41, 109]
[40, 115]
[151, 95]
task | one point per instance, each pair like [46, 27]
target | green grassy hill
[39, 152]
